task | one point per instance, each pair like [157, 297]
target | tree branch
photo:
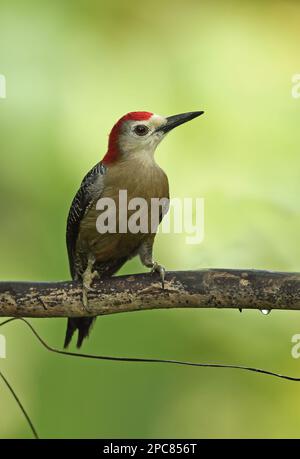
[213, 288]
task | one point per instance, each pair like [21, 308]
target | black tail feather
[83, 325]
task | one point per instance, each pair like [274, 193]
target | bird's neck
[134, 158]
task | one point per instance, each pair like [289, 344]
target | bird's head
[139, 133]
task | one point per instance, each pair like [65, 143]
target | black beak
[177, 120]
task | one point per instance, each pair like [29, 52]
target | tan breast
[141, 179]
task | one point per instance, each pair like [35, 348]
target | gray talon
[85, 298]
[88, 278]
[161, 271]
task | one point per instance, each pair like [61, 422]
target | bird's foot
[87, 287]
[85, 301]
[88, 280]
[156, 268]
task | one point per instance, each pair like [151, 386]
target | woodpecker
[129, 165]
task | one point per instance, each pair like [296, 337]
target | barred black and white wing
[91, 188]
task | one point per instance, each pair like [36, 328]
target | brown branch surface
[211, 288]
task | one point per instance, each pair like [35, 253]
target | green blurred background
[72, 69]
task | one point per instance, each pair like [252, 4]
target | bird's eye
[141, 129]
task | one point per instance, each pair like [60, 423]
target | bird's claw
[86, 287]
[88, 280]
[156, 268]
[85, 301]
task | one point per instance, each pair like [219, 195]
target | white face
[141, 136]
